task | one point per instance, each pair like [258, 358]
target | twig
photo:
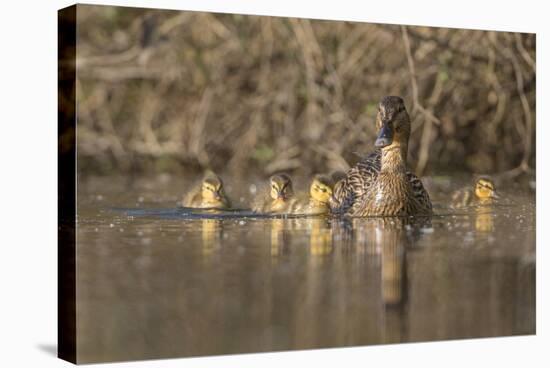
[524, 53]
[417, 106]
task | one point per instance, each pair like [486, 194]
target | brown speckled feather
[193, 198]
[357, 182]
[419, 192]
[352, 194]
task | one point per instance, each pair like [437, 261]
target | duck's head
[393, 123]
[281, 187]
[485, 189]
[321, 188]
[212, 188]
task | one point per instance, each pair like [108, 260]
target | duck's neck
[394, 159]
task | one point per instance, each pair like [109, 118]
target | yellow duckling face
[321, 189]
[212, 190]
[485, 189]
[281, 187]
[393, 123]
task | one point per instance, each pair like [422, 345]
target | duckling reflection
[484, 220]
[320, 238]
[211, 236]
[279, 238]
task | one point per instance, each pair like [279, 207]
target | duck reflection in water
[320, 237]
[387, 240]
[484, 219]
[211, 236]
[318, 228]
[279, 237]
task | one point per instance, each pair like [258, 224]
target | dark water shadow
[179, 213]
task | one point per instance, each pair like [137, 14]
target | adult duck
[380, 184]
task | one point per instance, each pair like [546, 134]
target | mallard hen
[380, 184]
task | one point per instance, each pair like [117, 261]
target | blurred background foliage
[175, 91]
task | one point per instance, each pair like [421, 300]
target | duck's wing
[299, 204]
[358, 180]
[461, 198]
[419, 192]
[261, 203]
[193, 198]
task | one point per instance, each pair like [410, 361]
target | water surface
[155, 281]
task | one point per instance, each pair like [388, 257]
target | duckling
[280, 196]
[317, 202]
[483, 193]
[380, 184]
[208, 195]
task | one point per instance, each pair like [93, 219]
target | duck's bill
[385, 136]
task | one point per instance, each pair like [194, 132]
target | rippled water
[156, 281]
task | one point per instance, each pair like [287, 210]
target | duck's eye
[484, 186]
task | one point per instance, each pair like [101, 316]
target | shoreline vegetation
[178, 92]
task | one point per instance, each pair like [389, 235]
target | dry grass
[173, 91]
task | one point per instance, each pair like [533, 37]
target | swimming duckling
[209, 194]
[280, 196]
[381, 184]
[317, 202]
[483, 193]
